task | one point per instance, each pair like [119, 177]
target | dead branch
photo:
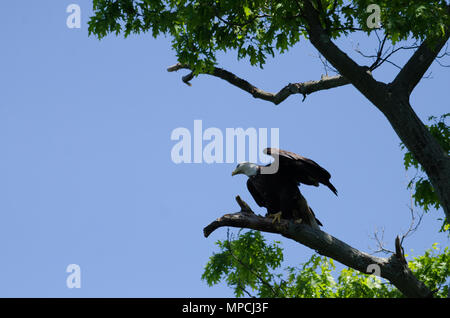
[304, 88]
[394, 268]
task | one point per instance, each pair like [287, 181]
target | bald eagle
[278, 191]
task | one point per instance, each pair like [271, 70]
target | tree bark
[425, 148]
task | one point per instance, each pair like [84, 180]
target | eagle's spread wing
[301, 169]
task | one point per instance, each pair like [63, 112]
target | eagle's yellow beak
[235, 172]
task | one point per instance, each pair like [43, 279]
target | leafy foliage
[433, 269]
[237, 265]
[403, 19]
[424, 194]
[257, 28]
[247, 261]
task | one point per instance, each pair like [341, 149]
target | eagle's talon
[298, 221]
[275, 216]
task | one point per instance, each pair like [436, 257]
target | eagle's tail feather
[331, 187]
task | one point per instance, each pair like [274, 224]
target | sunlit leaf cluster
[256, 29]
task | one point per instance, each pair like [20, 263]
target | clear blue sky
[86, 175]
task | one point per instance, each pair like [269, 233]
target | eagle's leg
[275, 216]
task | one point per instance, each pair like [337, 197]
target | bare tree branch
[416, 219]
[446, 53]
[305, 88]
[326, 65]
[378, 236]
[394, 268]
[383, 55]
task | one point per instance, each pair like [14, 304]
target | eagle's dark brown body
[276, 194]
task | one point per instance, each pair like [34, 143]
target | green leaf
[247, 11]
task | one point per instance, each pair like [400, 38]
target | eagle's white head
[247, 168]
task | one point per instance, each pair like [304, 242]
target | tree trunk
[418, 139]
